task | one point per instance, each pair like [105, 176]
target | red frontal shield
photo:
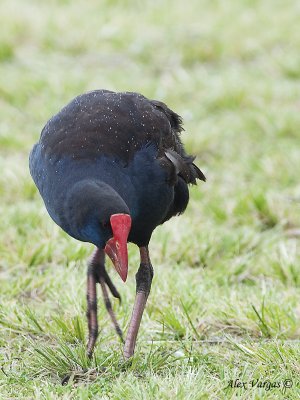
[116, 247]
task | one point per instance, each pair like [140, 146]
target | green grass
[225, 297]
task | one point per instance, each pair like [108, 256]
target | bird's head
[98, 214]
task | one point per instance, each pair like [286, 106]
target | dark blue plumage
[141, 185]
[114, 155]
[114, 138]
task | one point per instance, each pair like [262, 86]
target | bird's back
[109, 123]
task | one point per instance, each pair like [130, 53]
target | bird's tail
[184, 166]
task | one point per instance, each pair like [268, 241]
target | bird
[110, 168]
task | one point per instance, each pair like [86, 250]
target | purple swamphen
[110, 168]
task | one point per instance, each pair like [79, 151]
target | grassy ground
[225, 298]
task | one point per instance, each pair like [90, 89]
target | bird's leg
[109, 308]
[97, 273]
[92, 307]
[143, 285]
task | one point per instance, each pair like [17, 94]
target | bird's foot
[98, 274]
[102, 275]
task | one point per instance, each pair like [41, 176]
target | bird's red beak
[116, 247]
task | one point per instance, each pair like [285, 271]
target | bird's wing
[117, 125]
